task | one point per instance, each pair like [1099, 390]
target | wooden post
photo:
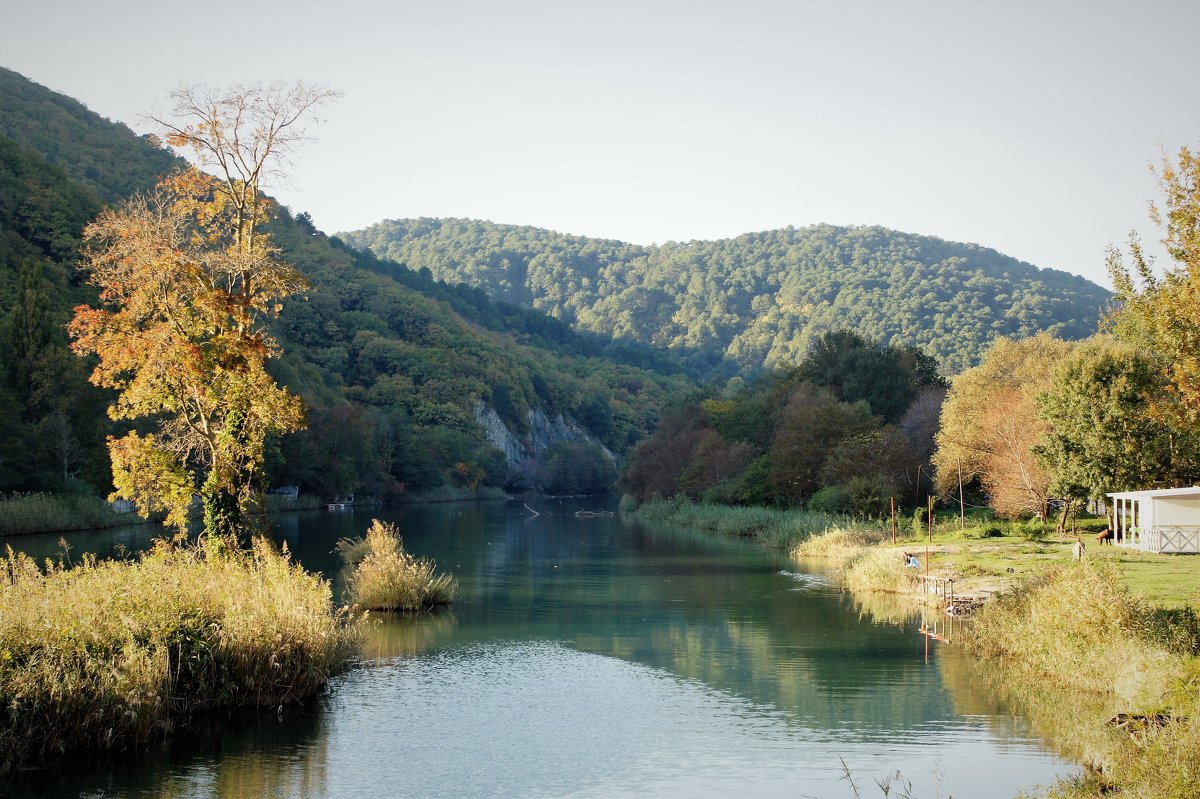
[962, 505]
[893, 520]
[930, 512]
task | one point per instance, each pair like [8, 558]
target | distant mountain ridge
[395, 367]
[759, 299]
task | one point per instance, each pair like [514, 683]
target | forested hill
[392, 364]
[758, 299]
[101, 156]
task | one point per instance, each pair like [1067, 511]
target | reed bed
[21, 514]
[112, 653]
[772, 527]
[1076, 624]
[881, 570]
[384, 576]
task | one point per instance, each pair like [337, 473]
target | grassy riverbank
[105, 654]
[1115, 634]
[21, 514]
[24, 514]
[1078, 628]
[778, 529]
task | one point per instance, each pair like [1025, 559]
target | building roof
[1155, 493]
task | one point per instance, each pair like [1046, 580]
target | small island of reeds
[382, 575]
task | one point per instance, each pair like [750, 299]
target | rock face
[524, 453]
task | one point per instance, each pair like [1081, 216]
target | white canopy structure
[1158, 520]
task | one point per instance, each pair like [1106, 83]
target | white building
[1159, 520]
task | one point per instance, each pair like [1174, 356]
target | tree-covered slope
[392, 363]
[758, 299]
[105, 157]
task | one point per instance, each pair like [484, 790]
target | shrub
[1035, 530]
[920, 522]
[831, 499]
[383, 576]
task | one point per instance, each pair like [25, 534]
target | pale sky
[1028, 127]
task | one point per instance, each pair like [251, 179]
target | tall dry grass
[838, 545]
[1076, 626]
[384, 576]
[112, 652]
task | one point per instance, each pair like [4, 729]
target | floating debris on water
[806, 579]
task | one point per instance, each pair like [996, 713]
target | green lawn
[982, 564]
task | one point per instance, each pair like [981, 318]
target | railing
[937, 586]
[1172, 538]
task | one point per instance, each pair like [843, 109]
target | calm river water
[594, 657]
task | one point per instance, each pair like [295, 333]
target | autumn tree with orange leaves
[188, 279]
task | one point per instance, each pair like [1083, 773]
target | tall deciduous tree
[1163, 313]
[990, 424]
[188, 279]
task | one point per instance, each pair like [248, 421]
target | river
[593, 657]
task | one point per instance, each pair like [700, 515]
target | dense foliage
[188, 281]
[1103, 431]
[52, 423]
[809, 436]
[991, 422]
[1044, 419]
[391, 363]
[758, 299]
[1160, 307]
[104, 158]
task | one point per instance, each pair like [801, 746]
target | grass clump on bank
[109, 653]
[383, 576]
[865, 566]
[21, 514]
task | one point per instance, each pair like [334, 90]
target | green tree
[811, 426]
[887, 378]
[187, 279]
[1104, 433]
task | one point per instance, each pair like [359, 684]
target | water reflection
[394, 635]
[1072, 722]
[242, 754]
[600, 657]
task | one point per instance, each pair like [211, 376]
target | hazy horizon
[1026, 128]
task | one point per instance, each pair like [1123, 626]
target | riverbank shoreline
[1080, 631]
[41, 513]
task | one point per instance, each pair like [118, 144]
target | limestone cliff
[524, 452]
